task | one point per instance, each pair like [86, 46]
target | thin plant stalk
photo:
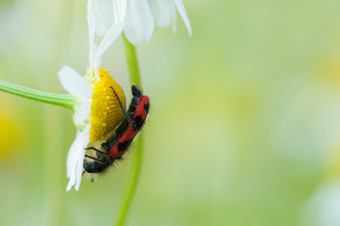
[132, 181]
[63, 100]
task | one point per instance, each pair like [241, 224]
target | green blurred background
[244, 125]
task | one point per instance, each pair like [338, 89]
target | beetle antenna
[120, 103]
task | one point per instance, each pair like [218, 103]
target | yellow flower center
[106, 113]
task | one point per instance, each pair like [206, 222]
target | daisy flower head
[141, 16]
[97, 111]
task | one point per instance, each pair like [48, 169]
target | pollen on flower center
[106, 113]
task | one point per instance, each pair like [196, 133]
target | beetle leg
[95, 159]
[95, 149]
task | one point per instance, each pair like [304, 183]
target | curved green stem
[63, 100]
[131, 57]
[135, 170]
[131, 183]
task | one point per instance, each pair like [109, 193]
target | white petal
[139, 23]
[74, 83]
[183, 14]
[82, 113]
[102, 10]
[162, 12]
[70, 184]
[75, 158]
[96, 68]
[119, 10]
[108, 39]
[92, 48]
[71, 161]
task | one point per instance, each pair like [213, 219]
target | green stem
[63, 100]
[131, 57]
[135, 170]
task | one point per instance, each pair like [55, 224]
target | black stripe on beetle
[137, 123]
[124, 145]
[146, 107]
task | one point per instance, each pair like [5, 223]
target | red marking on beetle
[131, 131]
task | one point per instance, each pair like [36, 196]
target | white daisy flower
[97, 111]
[141, 17]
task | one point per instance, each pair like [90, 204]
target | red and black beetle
[117, 143]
